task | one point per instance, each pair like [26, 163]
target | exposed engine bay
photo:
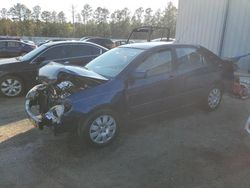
[47, 102]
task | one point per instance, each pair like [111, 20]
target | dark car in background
[122, 42]
[51, 40]
[14, 48]
[19, 74]
[105, 42]
[128, 82]
[10, 38]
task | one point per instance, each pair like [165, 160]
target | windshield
[32, 53]
[111, 63]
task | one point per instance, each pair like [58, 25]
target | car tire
[213, 98]
[11, 86]
[100, 128]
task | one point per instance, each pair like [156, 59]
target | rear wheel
[213, 98]
[100, 128]
[11, 86]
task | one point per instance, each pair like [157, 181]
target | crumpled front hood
[8, 61]
[51, 71]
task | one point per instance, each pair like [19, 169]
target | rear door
[153, 93]
[191, 75]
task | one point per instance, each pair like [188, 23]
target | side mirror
[139, 75]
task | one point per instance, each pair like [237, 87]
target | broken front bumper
[52, 118]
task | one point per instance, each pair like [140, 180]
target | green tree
[54, 17]
[19, 20]
[101, 19]
[148, 18]
[137, 17]
[4, 13]
[36, 13]
[101, 15]
[61, 17]
[86, 13]
[157, 18]
[169, 18]
[18, 12]
[46, 16]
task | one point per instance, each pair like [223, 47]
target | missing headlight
[55, 113]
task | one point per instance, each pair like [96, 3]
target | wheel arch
[220, 84]
[105, 107]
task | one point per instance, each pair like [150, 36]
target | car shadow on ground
[70, 143]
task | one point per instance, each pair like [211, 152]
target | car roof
[149, 45]
[72, 42]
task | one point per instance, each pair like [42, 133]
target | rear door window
[84, 50]
[189, 59]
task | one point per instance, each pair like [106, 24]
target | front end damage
[47, 102]
[43, 109]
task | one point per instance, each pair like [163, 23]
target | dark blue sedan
[128, 82]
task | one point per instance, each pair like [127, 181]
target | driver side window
[156, 64]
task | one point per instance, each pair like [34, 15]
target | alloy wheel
[102, 129]
[11, 87]
[214, 98]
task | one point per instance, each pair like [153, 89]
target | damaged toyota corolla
[128, 82]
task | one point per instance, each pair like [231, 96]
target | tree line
[21, 21]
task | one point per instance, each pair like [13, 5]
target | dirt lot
[188, 148]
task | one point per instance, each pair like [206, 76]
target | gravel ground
[187, 148]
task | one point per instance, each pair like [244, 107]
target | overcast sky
[65, 5]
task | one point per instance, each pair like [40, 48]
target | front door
[152, 94]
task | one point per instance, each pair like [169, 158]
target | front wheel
[213, 98]
[100, 128]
